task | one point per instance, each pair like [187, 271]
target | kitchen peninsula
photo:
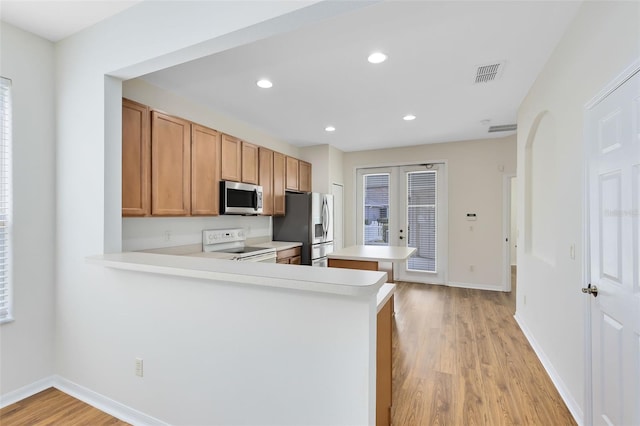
[263, 335]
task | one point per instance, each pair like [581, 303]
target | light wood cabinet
[292, 173]
[384, 363]
[304, 176]
[266, 180]
[170, 165]
[205, 171]
[279, 176]
[289, 256]
[231, 158]
[249, 163]
[136, 152]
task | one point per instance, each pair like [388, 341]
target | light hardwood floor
[460, 359]
[53, 407]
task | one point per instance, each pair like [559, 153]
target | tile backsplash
[141, 233]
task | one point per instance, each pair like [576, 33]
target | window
[422, 219]
[5, 199]
[376, 209]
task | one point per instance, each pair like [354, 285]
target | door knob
[593, 290]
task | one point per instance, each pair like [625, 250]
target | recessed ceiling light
[377, 58]
[330, 129]
[264, 84]
[409, 117]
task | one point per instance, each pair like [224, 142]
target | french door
[406, 206]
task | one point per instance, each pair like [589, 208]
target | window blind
[5, 198]
[422, 219]
[376, 209]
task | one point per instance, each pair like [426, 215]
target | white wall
[475, 184]
[513, 232]
[26, 345]
[599, 44]
[105, 319]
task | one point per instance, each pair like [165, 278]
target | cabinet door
[292, 173]
[304, 176]
[266, 180]
[249, 163]
[136, 159]
[205, 171]
[279, 171]
[231, 157]
[170, 165]
[295, 260]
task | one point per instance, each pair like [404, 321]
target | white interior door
[613, 128]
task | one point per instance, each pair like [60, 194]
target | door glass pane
[376, 209]
[422, 220]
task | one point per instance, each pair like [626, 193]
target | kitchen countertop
[384, 294]
[348, 282]
[278, 245]
[373, 253]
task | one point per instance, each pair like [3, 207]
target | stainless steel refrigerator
[309, 220]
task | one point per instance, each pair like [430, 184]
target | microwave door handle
[255, 199]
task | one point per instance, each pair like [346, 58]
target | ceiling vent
[489, 72]
[503, 128]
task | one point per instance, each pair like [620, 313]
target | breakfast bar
[370, 258]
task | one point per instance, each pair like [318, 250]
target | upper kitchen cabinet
[266, 180]
[292, 173]
[205, 171]
[304, 176]
[249, 163]
[136, 150]
[231, 158]
[279, 177]
[170, 165]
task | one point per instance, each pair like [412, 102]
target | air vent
[487, 73]
[503, 128]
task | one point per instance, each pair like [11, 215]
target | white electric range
[232, 241]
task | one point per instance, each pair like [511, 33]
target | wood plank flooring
[460, 359]
[53, 407]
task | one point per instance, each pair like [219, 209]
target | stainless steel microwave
[240, 198]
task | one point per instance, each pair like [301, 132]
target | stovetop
[244, 250]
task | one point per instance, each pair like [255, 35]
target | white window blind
[422, 219]
[5, 199]
[376, 209]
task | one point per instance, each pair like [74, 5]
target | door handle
[592, 290]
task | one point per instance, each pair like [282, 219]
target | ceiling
[321, 76]
[55, 20]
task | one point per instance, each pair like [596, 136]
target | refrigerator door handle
[325, 218]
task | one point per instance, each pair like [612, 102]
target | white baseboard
[101, 402]
[108, 405]
[571, 403]
[473, 286]
[26, 391]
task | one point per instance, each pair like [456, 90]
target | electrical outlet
[167, 235]
[524, 299]
[472, 268]
[139, 369]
